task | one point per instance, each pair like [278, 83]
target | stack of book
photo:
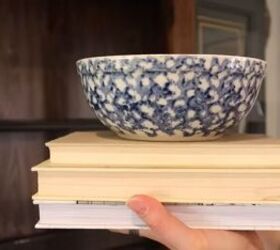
[231, 183]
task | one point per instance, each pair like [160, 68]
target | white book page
[241, 217]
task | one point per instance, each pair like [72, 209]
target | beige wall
[272, 55]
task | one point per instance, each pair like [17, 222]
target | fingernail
[137, 206]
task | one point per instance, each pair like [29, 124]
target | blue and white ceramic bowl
[171, 97]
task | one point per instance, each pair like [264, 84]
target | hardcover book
[231, 183]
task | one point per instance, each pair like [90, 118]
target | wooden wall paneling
[57, 44]
[19, 151]
[41, 40]
[21, 98]
[21, 75]
[78, 29]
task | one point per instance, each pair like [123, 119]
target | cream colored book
[181, 185]
[104, 149]
[94, 215]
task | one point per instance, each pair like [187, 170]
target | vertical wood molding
[272, 56]
[182, 35]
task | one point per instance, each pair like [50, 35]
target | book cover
[104, 149]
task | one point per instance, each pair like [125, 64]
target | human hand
[175, 235]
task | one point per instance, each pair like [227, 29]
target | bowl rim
[132, 56]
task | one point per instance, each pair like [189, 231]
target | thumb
[165, 228]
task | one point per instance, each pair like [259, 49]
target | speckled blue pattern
[171, 96]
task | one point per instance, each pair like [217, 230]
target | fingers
[165, 228]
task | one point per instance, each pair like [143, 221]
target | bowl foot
[173, 138]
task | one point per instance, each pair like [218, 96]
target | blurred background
[41, 97]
